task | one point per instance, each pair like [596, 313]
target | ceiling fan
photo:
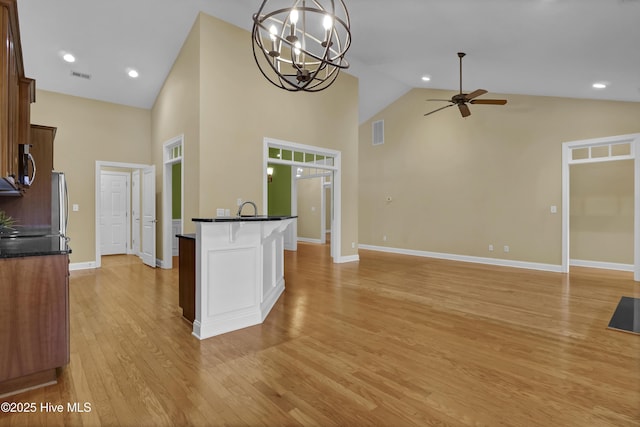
[461, 99]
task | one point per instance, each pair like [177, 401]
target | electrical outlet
[490, 248]
[75, 207]
[227, 212]
[554, 209]
[219, 212]
[353, 245]
[239, 201]
[384, 238]
[506, 248]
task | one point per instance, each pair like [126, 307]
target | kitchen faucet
[255, 208]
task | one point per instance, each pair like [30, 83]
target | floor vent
[378, 132]
[81, 75]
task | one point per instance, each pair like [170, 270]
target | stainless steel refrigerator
[59, 204]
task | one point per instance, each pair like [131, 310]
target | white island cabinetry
[239, 272]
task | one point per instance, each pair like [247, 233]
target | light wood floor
[392, 340]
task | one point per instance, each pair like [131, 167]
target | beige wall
[88, 131]
[177, 112]
[309, 200]
[458, 185]
[601, 222]
[238, 108]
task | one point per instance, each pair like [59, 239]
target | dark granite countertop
[24, 246]
[243, 218]
[187, 236]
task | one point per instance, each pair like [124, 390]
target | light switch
[554, 209]
[219, 212]
[75, 207]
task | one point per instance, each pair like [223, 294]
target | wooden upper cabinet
[16, 91]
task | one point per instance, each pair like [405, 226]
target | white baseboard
[305, 240]
[602, 265]
[82, 265]
[346, 259]
[466, 258]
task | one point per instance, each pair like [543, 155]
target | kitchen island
[239, 271]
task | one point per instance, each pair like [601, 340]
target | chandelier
[301, 47]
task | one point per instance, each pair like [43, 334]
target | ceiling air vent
[378, 132]
[81, 75]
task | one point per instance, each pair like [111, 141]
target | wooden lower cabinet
[34, 320]
[187, 280]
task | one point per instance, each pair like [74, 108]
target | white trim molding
[601, 265]
[172, 153]
[467, 258]
[336, 181]
[346, 259]
[307, 240]
[632, 142]
[74, 266]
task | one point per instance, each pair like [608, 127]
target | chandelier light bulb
[273, 31]
[293, 16]
[327, 22]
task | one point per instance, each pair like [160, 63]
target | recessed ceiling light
[599, 85]
[426, 78]
[133, 73]
[69, 57]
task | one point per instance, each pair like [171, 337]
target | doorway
[609, 149]
[313, 202]
[141, 239]
[172, 198]
[313, 161]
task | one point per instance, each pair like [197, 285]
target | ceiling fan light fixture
[461, 99]
[300, 45]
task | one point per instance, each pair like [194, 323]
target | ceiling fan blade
[464, 110]
[475, 93]
[447, 100]
[446, 106]
[489, 101]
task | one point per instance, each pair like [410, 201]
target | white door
[135, 211]
[148, 248]
[113, 215]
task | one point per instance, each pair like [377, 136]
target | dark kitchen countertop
[32, 242]
[243, 218]
[187, 236]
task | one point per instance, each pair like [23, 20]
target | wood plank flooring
[390, 341]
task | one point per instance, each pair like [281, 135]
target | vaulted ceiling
[536, 47]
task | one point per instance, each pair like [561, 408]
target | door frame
[135, 244]
[172, 153]
[98, 203]
[336, 232]
[567, 160]
[128, 207]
